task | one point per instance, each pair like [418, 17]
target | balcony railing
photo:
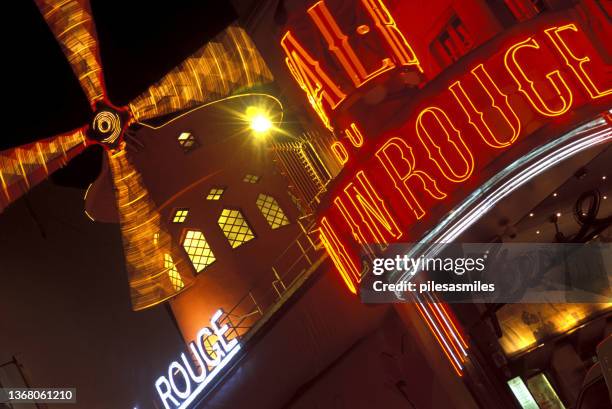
[288, 272]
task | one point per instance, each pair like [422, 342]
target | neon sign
[454, 135]
[188, 377]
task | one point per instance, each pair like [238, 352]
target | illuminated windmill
[157, 269]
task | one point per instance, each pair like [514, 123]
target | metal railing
[289, 271]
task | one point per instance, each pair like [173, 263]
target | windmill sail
[24, 167]
[227, 63]
[157, 269]
[73, 27]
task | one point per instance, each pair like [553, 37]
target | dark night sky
[64, 300]
[139, 42]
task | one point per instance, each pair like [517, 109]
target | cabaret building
[254, 181]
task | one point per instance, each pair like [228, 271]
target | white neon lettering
[167, 394]
[220, 332]
[173, 370]
[211, 351]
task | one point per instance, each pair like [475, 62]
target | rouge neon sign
[188, 377]
[453, 137]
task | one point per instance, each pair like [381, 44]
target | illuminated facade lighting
[235, 227]
[271, 210]
[260, 124]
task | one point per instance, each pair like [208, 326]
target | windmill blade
[24, 167]
[157, 269]
[227, 63]
[73, 27]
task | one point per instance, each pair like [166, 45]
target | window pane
[173, 274]
[198, 250]
[272, 211]
[180, 215]
[235, 227]
[215, 193]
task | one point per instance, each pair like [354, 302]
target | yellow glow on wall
[215, 193]
[198, 250]
[180, 215]
[524, 326]
[173, 274]
[235, 227]
[272, 211]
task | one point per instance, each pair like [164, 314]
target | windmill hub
[107, 125]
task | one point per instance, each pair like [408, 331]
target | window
[235, 227]
[173, 274]
[180, 215]
[525, 9]
[250, 178]
[452, 43]
[272, 212]
[198, 250]
[188, 141]
[215, 193]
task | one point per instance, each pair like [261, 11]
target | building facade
[394, 121]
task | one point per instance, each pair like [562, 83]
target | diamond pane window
[188, 141]
[215, 193]
[198, 250]
[173, 274]
[180, 215]
[272, 211]
[235, 227]
[248, 178]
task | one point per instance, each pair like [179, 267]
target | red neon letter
[338, 44]
[372, 210]
[340, 152]
[574, 62]
[452, 140]
[348, 270]
[396, 154]
[311, 78]
[499, 101]
[354, 135]
[392, 35]
[527, 87]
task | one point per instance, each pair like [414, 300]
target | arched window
[235, 227]
[271, 211]
[198, 250]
